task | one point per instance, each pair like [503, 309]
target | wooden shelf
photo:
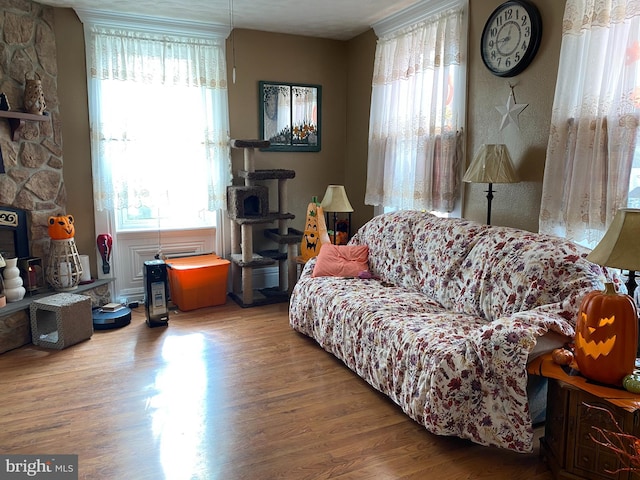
[17, 119]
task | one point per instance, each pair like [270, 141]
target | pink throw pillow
[341, 261]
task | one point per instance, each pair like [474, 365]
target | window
[592, 167]
[417, 111]
[159, 166]
[159, 126]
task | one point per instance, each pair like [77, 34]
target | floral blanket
[446, 324]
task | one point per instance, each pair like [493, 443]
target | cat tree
[248, 208]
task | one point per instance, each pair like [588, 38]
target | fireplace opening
[14, 238]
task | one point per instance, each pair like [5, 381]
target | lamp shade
[620, 246]
[492, 164]
[335, 200]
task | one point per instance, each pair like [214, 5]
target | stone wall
[33, 164]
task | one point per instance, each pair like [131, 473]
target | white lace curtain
[594, 120]
[155, 62]
[416, 120]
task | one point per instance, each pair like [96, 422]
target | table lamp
[620, 246]
[492, 164]
[335, 200]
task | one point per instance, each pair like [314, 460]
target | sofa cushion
[510, 270]
[441, 247]
[341, 261]
[391, 240]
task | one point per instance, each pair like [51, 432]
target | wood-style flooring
[223, 393]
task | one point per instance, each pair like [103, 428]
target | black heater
[156, 293]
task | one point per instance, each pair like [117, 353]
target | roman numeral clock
[511, 37]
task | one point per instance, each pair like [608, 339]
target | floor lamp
[492, 164]
[335, 200]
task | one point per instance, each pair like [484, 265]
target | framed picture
[290, 116]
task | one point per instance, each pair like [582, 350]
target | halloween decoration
[104, 242]
[63, 268]
[631, 383]
[315, 231]
[61, 227]
[606, 336]
[562, 356]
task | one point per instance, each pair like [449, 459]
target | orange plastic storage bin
[199, 281]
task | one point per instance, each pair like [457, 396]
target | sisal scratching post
[249, 146]
[247, 285]
[249, 163]
[247, 256]
[282, 197]
[236, 271]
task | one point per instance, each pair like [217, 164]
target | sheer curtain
[417, 115]
[159, 122]
[594, 120]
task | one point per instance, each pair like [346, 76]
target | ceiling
[336, 19]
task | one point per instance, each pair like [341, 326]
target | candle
[32, 279]
[65, 274]
[86, 268]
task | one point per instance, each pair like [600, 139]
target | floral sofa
[451, 314]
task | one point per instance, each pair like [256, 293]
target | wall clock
[511, 37]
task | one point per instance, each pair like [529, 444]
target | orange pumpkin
[606, 339]
[61, 227]
[315, 231]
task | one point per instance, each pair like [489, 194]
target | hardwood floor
[223, 393]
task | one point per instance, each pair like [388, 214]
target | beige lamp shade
[492, 164]
[335, 200]
[620, 246]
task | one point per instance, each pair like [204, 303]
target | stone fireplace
[14, 240]
[32, 187]
[33, 181]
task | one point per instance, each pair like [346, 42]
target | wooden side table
[567, 446]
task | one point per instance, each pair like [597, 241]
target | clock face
[511, 37]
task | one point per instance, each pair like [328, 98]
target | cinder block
[61, 320]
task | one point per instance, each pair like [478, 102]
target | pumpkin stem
[609, 289]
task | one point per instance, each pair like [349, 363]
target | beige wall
[287, 58]
[72, 92]
[516, 205]
[344, 70]
[361, 51]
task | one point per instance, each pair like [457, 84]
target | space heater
[156, 293]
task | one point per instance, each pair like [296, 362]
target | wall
[72, 91]
[344, 70]
[516, 205]
[287, 58]
[361, 51]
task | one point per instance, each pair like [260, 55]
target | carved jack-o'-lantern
[606, 338]
[61, 227]
[315, 232]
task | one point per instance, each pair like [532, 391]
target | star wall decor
[511, 111]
